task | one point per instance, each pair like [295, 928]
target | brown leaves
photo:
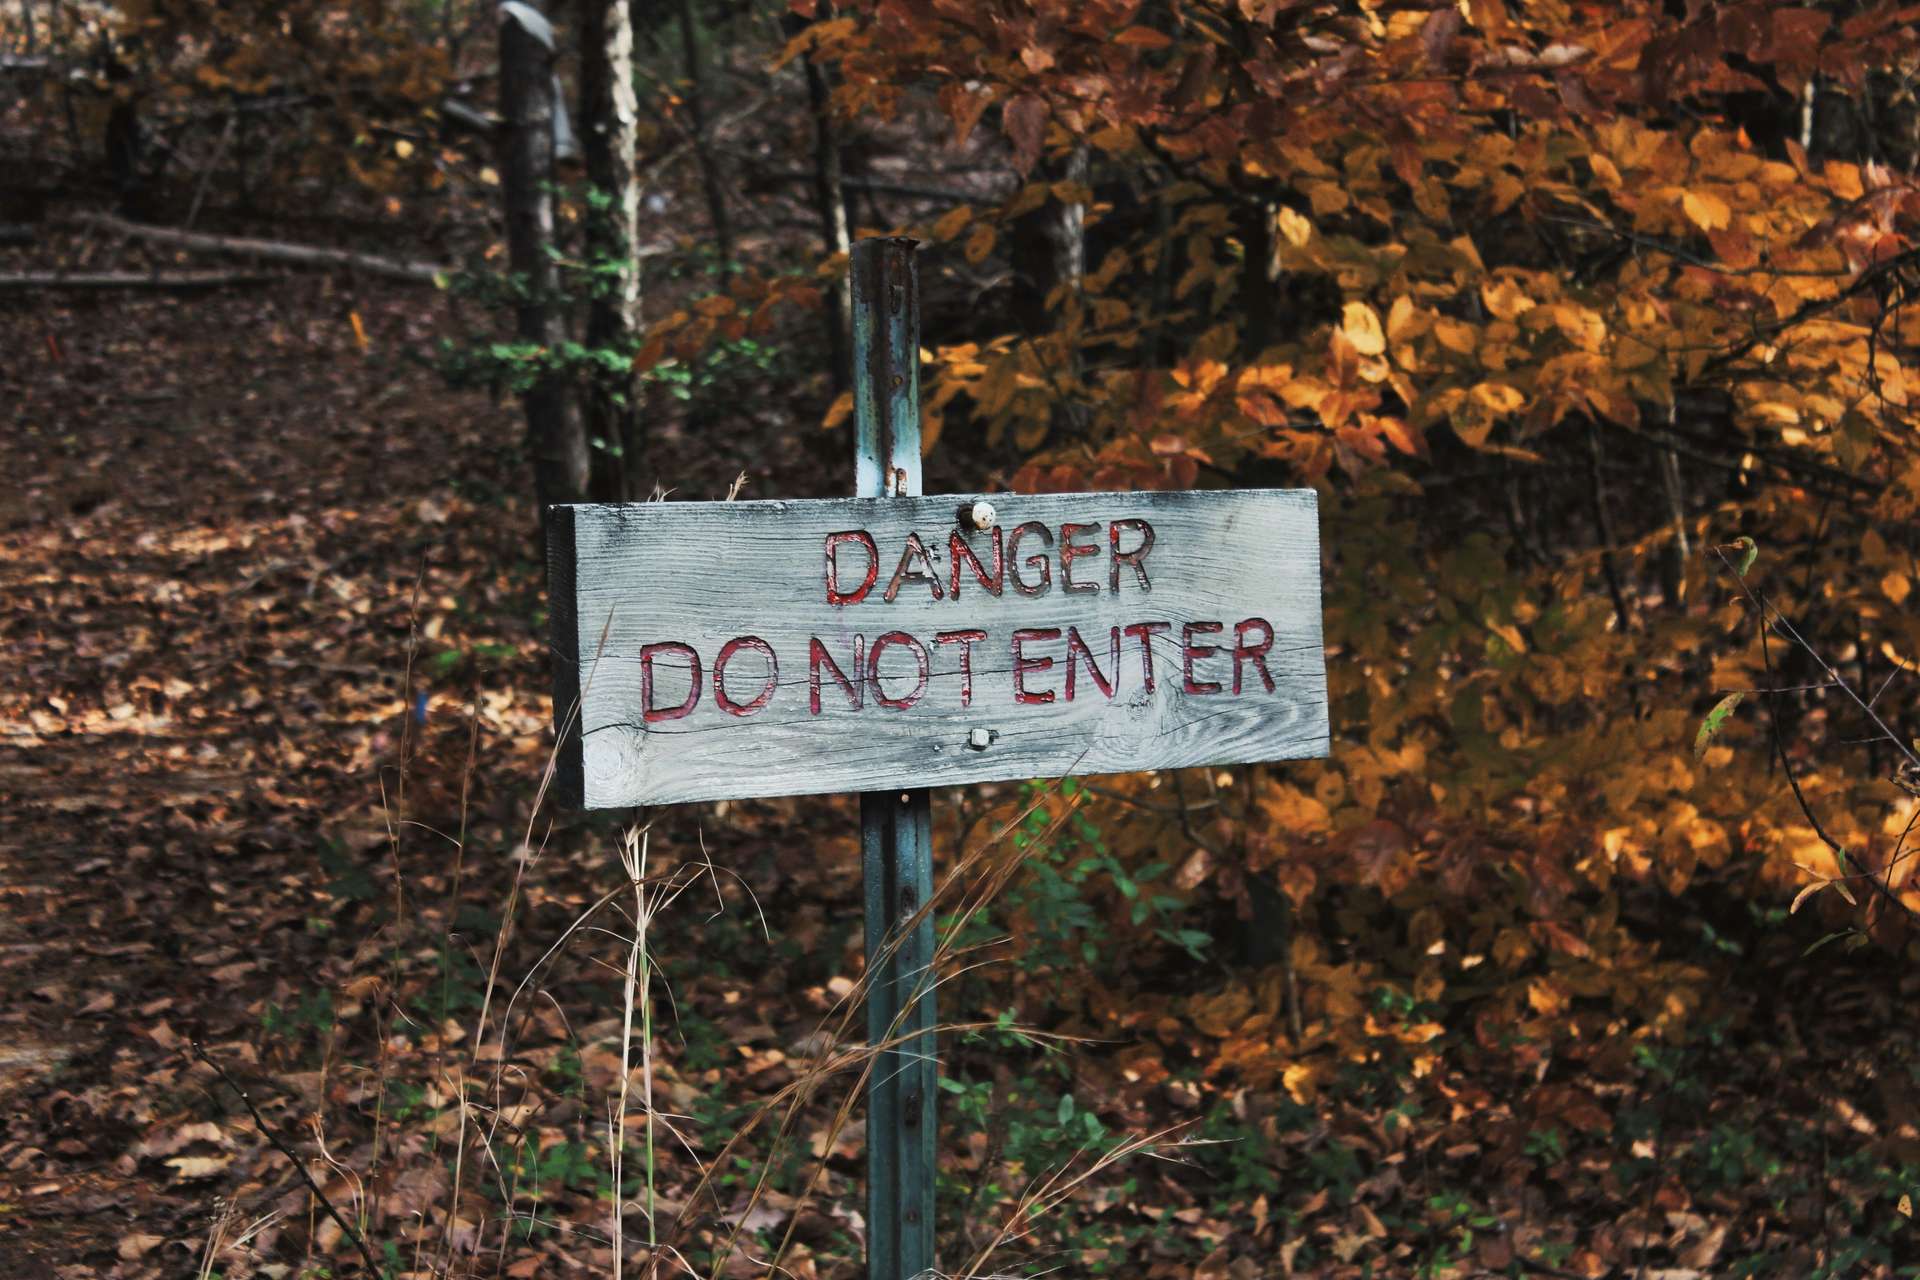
[1379, 851]
[1024, 118]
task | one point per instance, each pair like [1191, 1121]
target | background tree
[529, 101]
[609, 120]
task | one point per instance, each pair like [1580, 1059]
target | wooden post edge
[563, 632]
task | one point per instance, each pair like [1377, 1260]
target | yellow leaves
[1843, 180]
[1505, 299]
[1498, 397]
[1895, 586]
[1506, 190]
[1262, 408]
[1301, 1081]
[1405, 321]
[1222, 1014]
[1200, 376]
[1328, 198]
[839, 411]
[1293, 227]
[1292, 809]
[1706, 210]
[953, 222]
[1361, 325]
[1547, 997]
[1456, 336]
[979, 244]
[1263, 390]
[1582, 326]
[818, 34]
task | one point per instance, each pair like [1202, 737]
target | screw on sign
[888, 643]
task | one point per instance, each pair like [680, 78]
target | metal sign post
[888, 642]
[896, 827]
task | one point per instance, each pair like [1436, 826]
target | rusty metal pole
[896, 827]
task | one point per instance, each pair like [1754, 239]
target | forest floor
[272, 721]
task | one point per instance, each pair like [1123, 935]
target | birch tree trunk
[609, 119]
[555, 438]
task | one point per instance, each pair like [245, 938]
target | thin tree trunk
[1603, 526]
[830, 201]
[1680, 550]
[554, 435]
[1048, 249]
[710, 178]
[609, 119]
[1255, 225]
[1157, 348]
[1048, 254]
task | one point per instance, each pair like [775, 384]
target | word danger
[895, 670]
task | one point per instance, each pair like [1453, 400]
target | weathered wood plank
[1224, 570]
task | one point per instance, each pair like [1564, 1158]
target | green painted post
[896, 827]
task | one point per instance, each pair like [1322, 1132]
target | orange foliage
[1459, 266]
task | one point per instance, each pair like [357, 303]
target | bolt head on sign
[721, 650]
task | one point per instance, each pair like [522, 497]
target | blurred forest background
[1585, 953]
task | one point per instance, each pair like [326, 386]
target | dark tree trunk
[609, 117]
[1049, 252]
[710, 178]
[1048, 248]
[1254, 225]
[554, 435]
[830, 203]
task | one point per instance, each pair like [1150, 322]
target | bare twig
[1772, 619]
[177, 281]
[293, 1158]
[268, 250]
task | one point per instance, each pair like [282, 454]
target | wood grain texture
[702, 574]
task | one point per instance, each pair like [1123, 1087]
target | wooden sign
[724, 650]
